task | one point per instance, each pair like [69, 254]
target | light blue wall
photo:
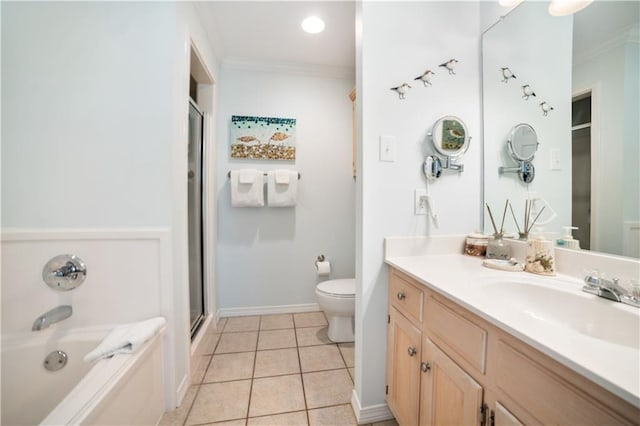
[87, 129]
[396, 43]
[266, 255]
[94, 112]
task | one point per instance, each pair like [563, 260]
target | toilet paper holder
[320, 258]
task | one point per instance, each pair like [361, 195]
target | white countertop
[615, 367]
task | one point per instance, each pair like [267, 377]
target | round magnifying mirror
[522, 143]
[450, 136]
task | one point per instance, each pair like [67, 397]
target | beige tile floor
[270, 370]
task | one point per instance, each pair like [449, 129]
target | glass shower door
[195, 179]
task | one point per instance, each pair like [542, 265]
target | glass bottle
[498, 249]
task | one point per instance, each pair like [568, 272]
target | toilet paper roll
[323, 268]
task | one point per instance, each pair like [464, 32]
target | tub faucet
[51, 317]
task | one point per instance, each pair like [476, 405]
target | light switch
[387, 148]
[555, 159]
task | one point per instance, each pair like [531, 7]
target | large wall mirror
[585, 67]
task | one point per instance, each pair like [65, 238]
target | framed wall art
[263, 138]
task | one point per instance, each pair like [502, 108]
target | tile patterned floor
[270, 370]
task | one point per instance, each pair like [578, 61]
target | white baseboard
[371, 414]
[207, 324]
[268, 310]
[180, 392]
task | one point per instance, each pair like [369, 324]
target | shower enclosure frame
[196, 219]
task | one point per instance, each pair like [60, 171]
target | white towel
[247, 189]
[285, 194]
[246, 175]
[126, 338]
[282, 176]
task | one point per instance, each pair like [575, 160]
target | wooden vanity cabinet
[404, 348]
[503, 417]
[403, 380]
[539, 390]
[424, 384]
[447, 366]
[448, 396]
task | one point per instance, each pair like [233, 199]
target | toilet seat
[343, 288]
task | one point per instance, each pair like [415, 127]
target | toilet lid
[344, 287]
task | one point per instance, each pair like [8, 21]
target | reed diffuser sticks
[493, 222]
[534, 220]
[496, 248]
[504, 213]
[514, 219]
[528, 223]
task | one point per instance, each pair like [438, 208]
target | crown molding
[294, 68]
[626, 35]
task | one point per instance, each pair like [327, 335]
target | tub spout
[51, 317]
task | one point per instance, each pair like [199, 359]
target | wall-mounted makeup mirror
[522, 145]
[450, 139]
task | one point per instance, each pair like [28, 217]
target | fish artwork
[247, 139]
[278, 137]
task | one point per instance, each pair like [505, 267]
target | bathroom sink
[562, 305]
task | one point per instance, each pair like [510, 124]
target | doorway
[195, 214]
[581, 168]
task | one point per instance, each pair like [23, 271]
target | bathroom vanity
[468, 345]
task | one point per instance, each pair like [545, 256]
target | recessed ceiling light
[567, 7]
[313, 25]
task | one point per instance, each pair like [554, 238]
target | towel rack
[264, 174]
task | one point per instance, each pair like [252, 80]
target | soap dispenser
[567, 239]
[540, 255]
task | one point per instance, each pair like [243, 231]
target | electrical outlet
[420, 201]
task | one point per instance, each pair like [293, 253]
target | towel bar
[229, 175]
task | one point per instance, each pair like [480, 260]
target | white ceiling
[269, 32]
[602, 20]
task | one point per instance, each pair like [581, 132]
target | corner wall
[397, 42]
[266, 255]
[94, 114]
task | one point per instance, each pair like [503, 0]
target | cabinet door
[403, 368]
[449, 396]
[504, 418]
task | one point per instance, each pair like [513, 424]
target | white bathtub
[123, 390]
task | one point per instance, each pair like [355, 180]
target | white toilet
[337, 298]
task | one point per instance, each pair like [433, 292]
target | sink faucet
[51, 317]
[610, 289]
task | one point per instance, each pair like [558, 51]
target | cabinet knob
[425, 366]
[412, 351]
[400, 295]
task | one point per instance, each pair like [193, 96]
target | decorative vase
[540, 257]
[497, 248]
